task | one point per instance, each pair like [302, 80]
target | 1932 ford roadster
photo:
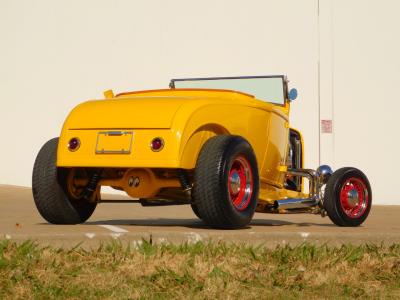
[222, 145]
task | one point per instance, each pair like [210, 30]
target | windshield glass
[266, 88]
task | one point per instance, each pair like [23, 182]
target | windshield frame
[283, 77]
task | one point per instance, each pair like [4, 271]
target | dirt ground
[19, 220]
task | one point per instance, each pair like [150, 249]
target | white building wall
[366, 104]
[55, 54]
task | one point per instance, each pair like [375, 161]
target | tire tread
[331, 203]
[49, 193]
[209, 193]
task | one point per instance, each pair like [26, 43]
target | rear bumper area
[122, 148]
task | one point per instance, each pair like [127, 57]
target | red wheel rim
[240, 183]
[354, 197]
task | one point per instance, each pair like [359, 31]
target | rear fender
[196, 141]
[210, 120]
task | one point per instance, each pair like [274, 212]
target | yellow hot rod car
[222, 145]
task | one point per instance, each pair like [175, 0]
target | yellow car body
[223, 145]
[185, 119]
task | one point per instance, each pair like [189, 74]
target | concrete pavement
[19, 220]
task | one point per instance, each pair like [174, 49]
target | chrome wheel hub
[234, 182]
[352, 198]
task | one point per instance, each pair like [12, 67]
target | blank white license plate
[114, 142]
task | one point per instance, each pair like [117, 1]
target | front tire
[348, 197]
[50, 192]
[226, 182]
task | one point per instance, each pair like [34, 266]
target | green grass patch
[198, 271]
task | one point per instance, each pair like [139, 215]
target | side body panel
[276, 151]
[265, 127]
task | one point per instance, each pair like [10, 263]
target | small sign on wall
[326, 126]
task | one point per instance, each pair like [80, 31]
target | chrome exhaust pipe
[293, 203]
[311, 175]
[316, 180]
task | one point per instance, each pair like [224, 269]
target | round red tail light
[74, 144]
[157, 144]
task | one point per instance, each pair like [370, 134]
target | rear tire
[348, 197]
[226, 182]
[195, 210]
[50, 192]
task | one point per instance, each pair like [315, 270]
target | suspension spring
[184, 180]
[92, 185]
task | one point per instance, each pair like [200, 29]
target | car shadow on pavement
[159, 222]
[259, 222]
[196, 223]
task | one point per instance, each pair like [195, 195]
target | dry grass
[199, 271]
